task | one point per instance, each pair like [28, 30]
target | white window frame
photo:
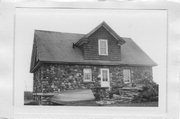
[99, 42]
[108, 81]
[84, 72]
[127, 81]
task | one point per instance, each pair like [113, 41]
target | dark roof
[107, 27]
[57, 47]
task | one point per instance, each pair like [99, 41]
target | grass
[28, 100]
[93, 103]
[144, 104]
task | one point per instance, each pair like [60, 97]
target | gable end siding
[91, 48]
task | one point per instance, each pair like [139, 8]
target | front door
[105, 77]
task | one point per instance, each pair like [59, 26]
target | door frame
[108, 81]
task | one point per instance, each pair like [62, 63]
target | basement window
[127, 75]
[87, 75]
[103, 47]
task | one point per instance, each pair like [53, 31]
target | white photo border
[43, 112]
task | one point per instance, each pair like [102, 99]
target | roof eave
[154, 65]
[35, 67]
[81, 42]
[92, 63]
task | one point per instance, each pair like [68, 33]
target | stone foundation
[51, 78]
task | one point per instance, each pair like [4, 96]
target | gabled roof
[84, 39]
[56, 47]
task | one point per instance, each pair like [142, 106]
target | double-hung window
[103, 47]
[127, 75]
[87, 75]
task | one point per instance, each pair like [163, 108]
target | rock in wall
[50, 78]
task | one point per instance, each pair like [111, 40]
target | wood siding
[91, 48]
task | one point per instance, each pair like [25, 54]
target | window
[104, 75]
[126, 76]
[103, 47]
[87, 75]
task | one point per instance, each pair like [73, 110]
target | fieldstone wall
[141, 73]
[37, 80]
[50, 78]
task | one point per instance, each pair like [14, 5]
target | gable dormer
[102, 43]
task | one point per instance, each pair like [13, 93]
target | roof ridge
[36, 30]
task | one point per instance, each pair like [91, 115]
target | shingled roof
[56, 47]
[107, 27]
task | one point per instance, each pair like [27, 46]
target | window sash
[126, 75]
[103, 51]
[105, 75]
[87, 75]
[103, 47]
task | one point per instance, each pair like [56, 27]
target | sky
[148, 29]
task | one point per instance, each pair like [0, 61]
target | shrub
[101, 93]
[114, 90]
[148, 93]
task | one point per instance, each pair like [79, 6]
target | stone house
[100, 58]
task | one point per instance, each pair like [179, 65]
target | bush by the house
[101, 93]
[114, 90]
[149, 92]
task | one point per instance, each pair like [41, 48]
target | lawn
[93, 103]
[28, 100]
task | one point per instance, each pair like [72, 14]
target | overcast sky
[148, 28]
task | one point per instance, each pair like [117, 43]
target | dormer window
[103, 47]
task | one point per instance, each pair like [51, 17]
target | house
[98, 59]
